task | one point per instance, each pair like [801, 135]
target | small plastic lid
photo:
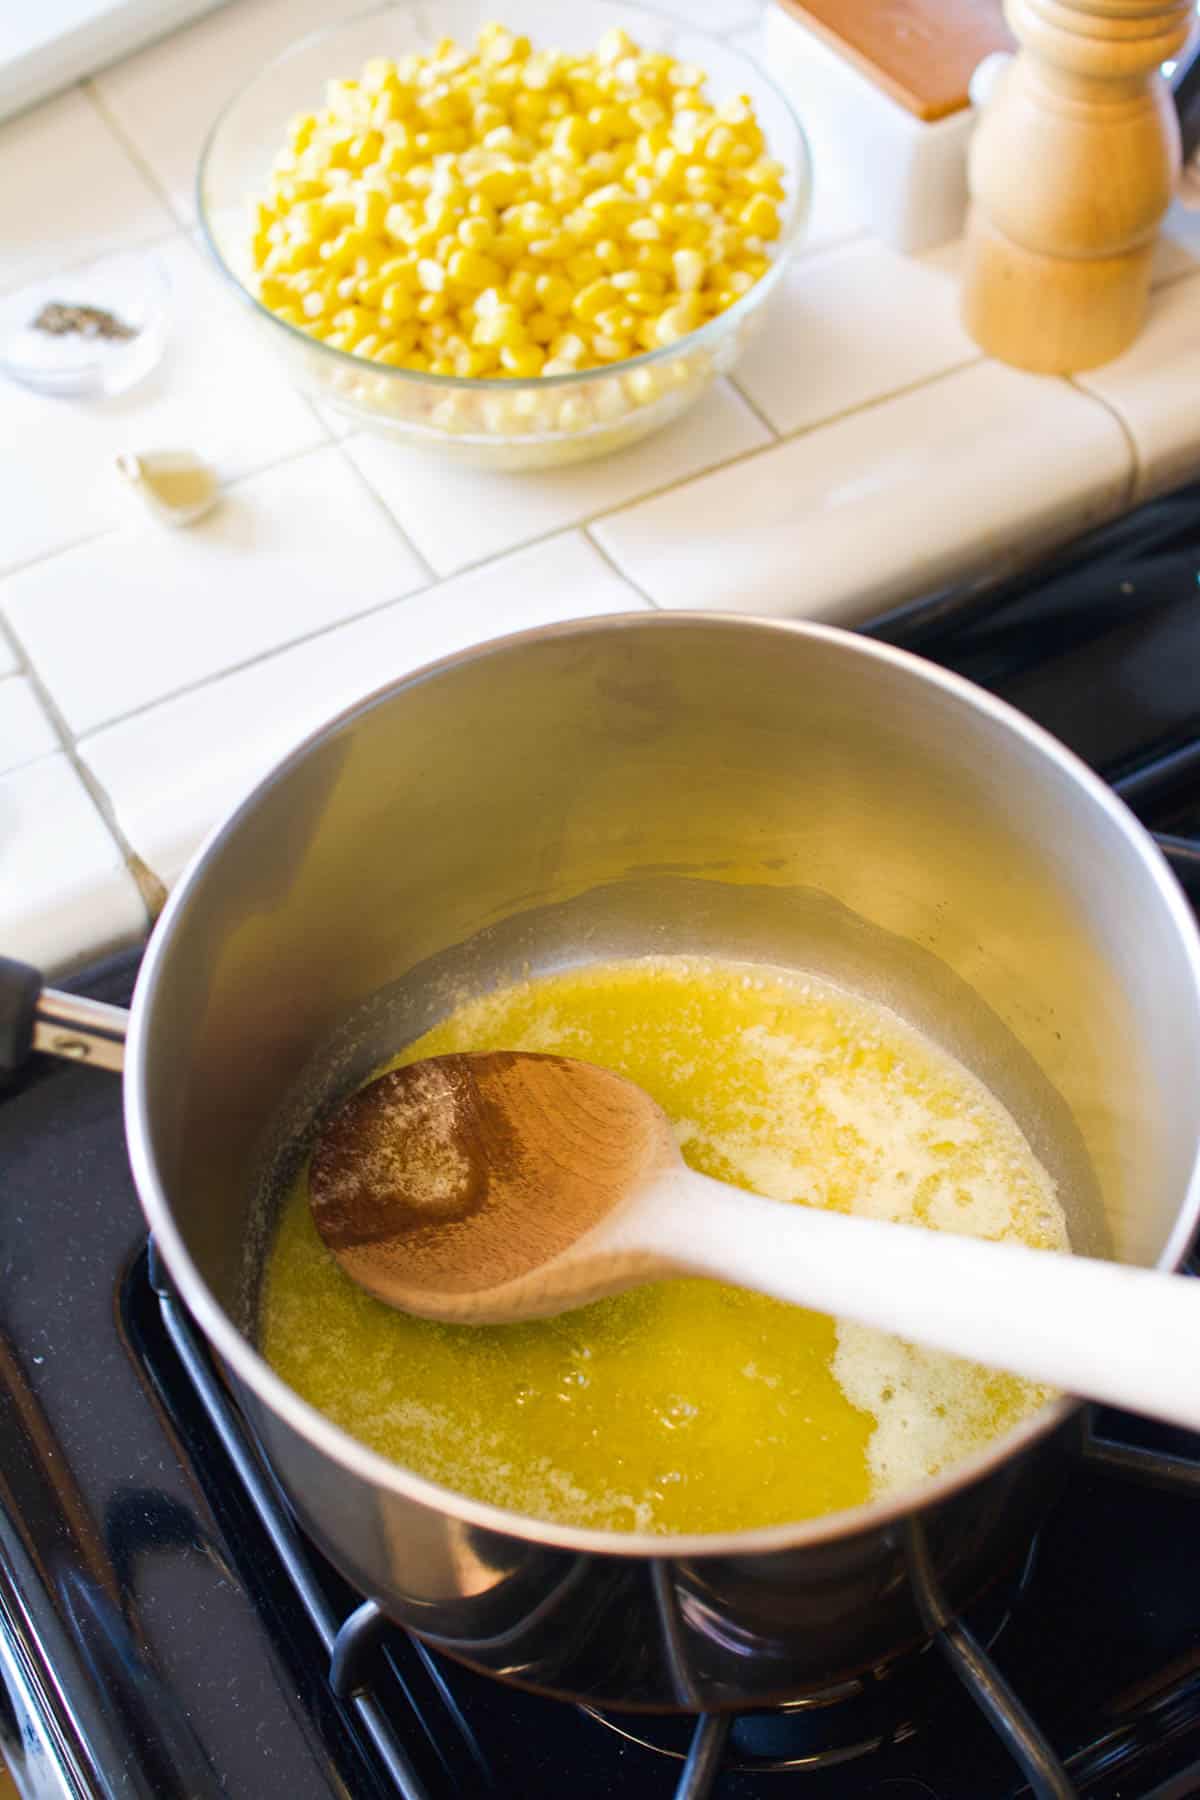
[97, 329]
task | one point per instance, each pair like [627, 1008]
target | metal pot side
[668, 782]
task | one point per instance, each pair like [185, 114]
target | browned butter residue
[465, 1171]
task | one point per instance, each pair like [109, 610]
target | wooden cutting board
[921, 52]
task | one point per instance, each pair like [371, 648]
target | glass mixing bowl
[494, 423]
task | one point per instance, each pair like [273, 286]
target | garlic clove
[177, 486]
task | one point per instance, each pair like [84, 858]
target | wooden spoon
[482, 1189]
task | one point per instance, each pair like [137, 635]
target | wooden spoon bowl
[489, 1188]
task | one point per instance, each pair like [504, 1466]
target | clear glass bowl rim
[702, 338]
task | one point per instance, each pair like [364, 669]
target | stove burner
[887, 1706]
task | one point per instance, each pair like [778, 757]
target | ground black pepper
[58, 318]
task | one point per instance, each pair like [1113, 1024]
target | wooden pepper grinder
[1071, 169]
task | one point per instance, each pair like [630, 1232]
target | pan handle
[33, 1017]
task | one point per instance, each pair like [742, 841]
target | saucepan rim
[239, 1353]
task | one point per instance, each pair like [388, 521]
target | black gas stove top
[166, 1631]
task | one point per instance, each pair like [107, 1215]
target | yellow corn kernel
[369, 290]
[498, 186]
[583, 268]
[431, 277]
[507, 249]
[432, 306]
[449, 413]
[497, 45]
[677, 321]
[767, 176]
[474, 233]
[556, 247]
[760, 216]
[398, 338]
[542, 327]
[572, 138]
[397, 301]
[502, 326]
[521, 359]
[522, 287]
[574, 414]
[613, 321]
[391, 355]
[689, 270]
[441, 220]
[569, 348]
[690, 234]
[643, 386]
[654, 256]
[474, 269]
[471, 362]
[363, 149]
[273, 291]
[436, 336]
[593, 299]
[608, 401]
[371, 210]
[554, 294]
[300, 132]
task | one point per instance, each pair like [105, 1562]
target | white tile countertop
[863, 451]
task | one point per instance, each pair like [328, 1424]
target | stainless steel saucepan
[786, 793]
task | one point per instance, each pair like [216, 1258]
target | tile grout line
[616, 568]
[1136, 471]
[150, 888]
[10, 638]
[250, 662]
[585, 523]
[432, 576]
[156, 241]
[318, 632]
[588, 520]
[108, 118]
[584, 526]
[1170, 281]
[315, 410]
[900, 393]
[114, 527]
[751, 406]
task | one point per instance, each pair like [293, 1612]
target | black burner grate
[430, 1725]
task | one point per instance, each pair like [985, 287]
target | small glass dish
[531, 423]
[66, 354]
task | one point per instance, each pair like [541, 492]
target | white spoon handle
[1099, 1330]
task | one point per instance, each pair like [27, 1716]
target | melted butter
[686, 1406]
